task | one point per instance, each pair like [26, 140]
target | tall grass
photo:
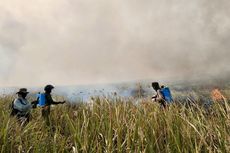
[110, 126]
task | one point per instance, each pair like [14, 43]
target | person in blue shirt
[21, 108]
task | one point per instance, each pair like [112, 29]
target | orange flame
[217, 95]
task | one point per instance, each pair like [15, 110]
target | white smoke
[100, 41]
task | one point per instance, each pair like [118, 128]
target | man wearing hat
[21, 107]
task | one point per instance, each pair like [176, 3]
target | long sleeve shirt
[22, 105]
[50, 101]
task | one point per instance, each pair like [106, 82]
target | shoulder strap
[21, 102]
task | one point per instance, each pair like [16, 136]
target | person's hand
[46, 107]
[34, 104]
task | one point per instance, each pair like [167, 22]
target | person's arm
[50, 101]
[154, 97]
[59, 102]
[34, 103]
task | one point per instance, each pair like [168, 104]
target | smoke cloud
[68, 42]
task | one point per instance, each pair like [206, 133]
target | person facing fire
[45, 100]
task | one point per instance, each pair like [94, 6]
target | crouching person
[158, 97]
[163, 95]
[21, 107]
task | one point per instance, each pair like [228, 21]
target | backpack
[41, 99]
[13, 110]
[166, 93]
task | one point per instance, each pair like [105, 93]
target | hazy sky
[99, 41]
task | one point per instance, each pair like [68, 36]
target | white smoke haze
[67, 42]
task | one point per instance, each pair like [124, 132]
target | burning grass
[109, 126]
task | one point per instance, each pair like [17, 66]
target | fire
[217, 95]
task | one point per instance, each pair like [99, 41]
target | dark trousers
[46, 114]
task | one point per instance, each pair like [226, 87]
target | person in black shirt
[48, 102]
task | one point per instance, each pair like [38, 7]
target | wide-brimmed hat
[22, 91]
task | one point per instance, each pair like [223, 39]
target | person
[21, 107]
[48, 102]
[158, 97]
